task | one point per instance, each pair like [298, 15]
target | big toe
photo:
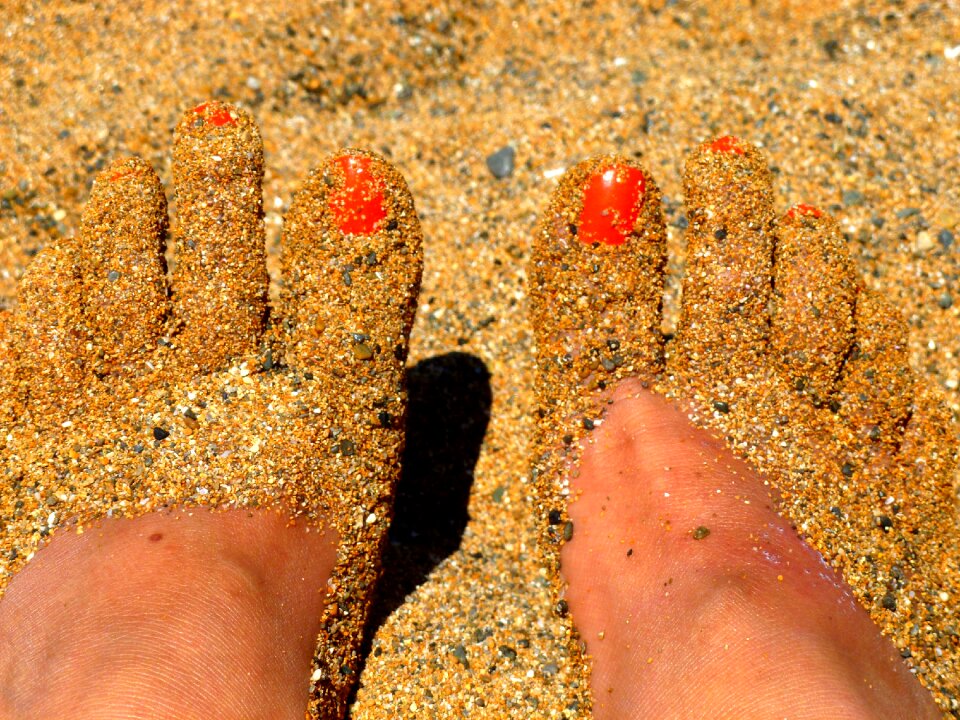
[352, 262]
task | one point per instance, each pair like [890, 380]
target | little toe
[122, 236]
[352, 262]
[220, 280]
[596, 279]
[815, 288]
[875, 387]
[724, 324]
[50, 340]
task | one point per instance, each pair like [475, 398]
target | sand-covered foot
[683, 566]
[195, 493]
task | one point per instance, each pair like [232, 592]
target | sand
[856, 108]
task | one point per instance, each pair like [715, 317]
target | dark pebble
[550, 669]
[853, 197]
[945, 237]
[847, 469]
[720, 233]
[701, 532]
[508, 652]
[498, 493]
[113, 276]
[884, 523]
[160, 434]
[905, 213]
[562, 608]
[460, 653]
[568, 531]
[837, 512]
[501, 163]
[833, 118]
[588, 423]
[554, 517]
[721, 407]
[888, 602]
[945, 301]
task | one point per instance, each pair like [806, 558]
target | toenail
[727, 144]
[358, 205]
[219, 116]
[611, 203]
[119, 175]
[801, 209]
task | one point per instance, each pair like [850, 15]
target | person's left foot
[123, 400]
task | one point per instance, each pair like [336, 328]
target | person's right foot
[693, 596]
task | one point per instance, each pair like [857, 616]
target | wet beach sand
[855, 107]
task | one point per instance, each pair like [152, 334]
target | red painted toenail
[803, 209]
[120, 174]
[219, 117]
[727, 144]
[358, 205]
[611, 203]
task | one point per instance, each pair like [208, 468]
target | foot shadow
[447, 416]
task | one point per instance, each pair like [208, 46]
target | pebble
[501, 163]
[852, 198]
[945, 301]
[924, 241]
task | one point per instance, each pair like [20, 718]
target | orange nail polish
[611, 204]
[727, 144]
[803, 209]
[219, 117]
[358, 205]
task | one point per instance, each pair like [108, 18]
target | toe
[724, 325]
[120, 252]
[875, 388]
[814, 287]
[596, 279]
[352, 262]
[49, 330]
[220, 281]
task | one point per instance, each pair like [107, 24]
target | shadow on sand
[447, 416]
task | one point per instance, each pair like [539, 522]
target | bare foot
[685, 576]
[123, 400]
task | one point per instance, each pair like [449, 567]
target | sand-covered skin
[203, 408]
[857, 106]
